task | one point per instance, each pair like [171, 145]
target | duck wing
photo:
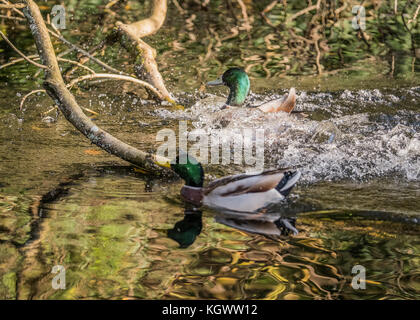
[285, 104]
[246, 183]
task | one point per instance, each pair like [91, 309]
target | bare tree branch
[151, 25]
[112, 76]
[84, 52]
[22, 102]
[57, 90]
[21, 53]
[11, 6]
[137, 30]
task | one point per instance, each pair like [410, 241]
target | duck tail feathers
[287, 183]
[285, 104]
[290, 102]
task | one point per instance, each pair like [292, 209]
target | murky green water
[122, 234]
[109, 229]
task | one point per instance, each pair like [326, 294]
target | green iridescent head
[189, 169]
[237, 81]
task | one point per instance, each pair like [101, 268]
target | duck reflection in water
[186, 231]
[270, 225]
[266, 224]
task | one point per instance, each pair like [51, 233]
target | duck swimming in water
[238, 83]
[241, 192]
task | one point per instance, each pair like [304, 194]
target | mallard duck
[241, 192]
[238, 83]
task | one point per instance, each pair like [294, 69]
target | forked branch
[147, 55]
[57, 90]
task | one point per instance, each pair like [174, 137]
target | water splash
[348, 135]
